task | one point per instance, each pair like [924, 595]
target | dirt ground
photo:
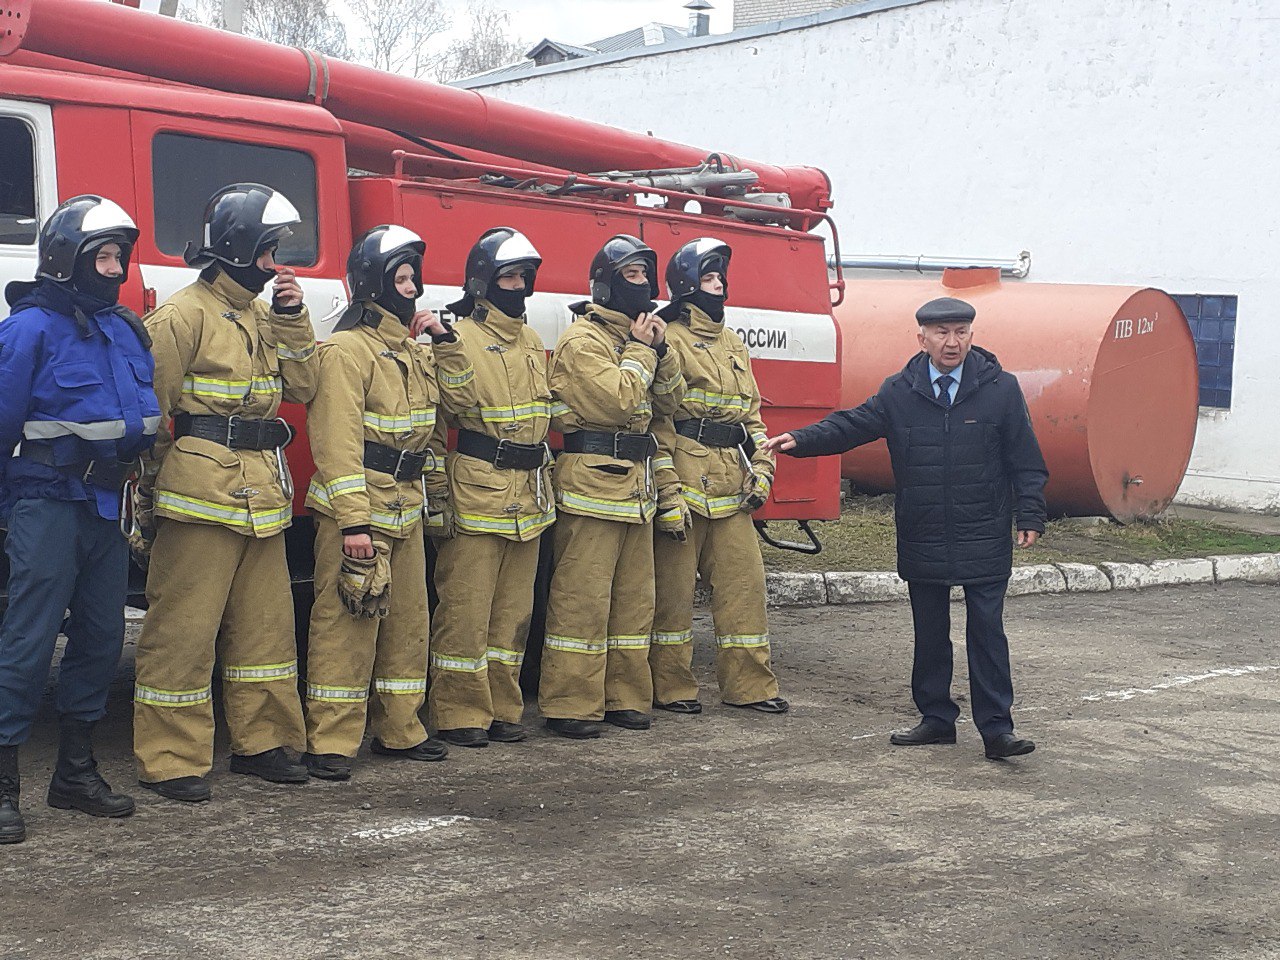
[1145, 826]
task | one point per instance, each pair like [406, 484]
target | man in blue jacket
[78, 405]
[965, 464]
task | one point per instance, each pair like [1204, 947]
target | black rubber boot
[183, 789]
[12, 827]
[429, 750]
[502, 731]
[465, 736]
[77, 784]
[275, 766]
[328, 766]
[575, 729]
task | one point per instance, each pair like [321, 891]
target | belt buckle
[231, 426]
[702, 425]
[500, 455]
[617, 446]
[395, 472]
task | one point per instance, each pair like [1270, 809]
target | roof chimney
[699, 18]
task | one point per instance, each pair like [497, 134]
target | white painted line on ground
[406, 828]
[1131, 692]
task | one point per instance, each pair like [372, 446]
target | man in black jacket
[965, 462]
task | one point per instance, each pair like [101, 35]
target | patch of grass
[863, 539]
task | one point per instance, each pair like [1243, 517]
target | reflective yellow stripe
[724, 401]
[758, 439]
[423, 417]
[640, 511]
[743, 641]
[672, 639]
[395, 686]
[284, 353]
[459, 664]
[511, 658]
[316, 691]
[522, 526]
[669, 386]
[574, 645]
[234, 516]
[171, 698]
[207, 387]
[559, 409]
[638, 368]
[666, 516]
[663, 462]
[465, 377]
[344, 485]
[418, 417]
[629, 641]
[512, 414]
[714, 506]
[261, 673]
[395, 522]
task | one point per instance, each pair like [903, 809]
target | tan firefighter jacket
[720, 386]
[493, 380]
[220, 350]
[376, 384]
[601, 380]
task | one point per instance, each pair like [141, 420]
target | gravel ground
[1144, 827]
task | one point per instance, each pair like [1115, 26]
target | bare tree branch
[397, 34]
[294, 23]
[489, 44]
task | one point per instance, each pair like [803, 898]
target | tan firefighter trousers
[599, 616]
[727, 554]
[214, 594]
[374, 668]
[485, 586]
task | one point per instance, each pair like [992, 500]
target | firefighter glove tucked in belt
[235, 433]
[364, 586]
[637, 447]
[503, 454]
[401, 464]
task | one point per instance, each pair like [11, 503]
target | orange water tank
[1109, 373]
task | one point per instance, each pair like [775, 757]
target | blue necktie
[944, 383]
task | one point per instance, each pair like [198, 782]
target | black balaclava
[392, 300]
[630, 299]
[91, 291]
[510, 302]
[712, 304]
[253, 278]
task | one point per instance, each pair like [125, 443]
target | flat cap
[945, 310]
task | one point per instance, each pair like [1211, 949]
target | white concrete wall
[1133, 142]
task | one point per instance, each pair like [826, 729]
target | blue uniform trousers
[990, 683]
[62, 556]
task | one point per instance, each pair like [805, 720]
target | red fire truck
[156, 114]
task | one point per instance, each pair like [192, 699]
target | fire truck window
[186, 171]
[18, 223]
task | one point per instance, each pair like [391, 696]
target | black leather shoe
[428, 750]
[575, 729]
[186, 789]
[77, 784]
[923, 734]
[327, 766]
[628, 719]
[275, 766]
[500, 731]
[681, 706]
[465, 736]
[12, 827]
[1006, 745]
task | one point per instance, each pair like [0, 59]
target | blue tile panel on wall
[1212, 318]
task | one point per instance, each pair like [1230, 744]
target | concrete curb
[879, 586]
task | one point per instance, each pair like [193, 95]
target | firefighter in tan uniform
[493, 385]
[611, 373]
[379, 455]
[716, 440]
[218, 585]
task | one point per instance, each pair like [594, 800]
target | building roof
[650, 35]
[679, 40]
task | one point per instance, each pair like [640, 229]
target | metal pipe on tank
[1109, 373]
[108, 34]
[1017, 268]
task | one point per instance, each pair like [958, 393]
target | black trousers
[990, 684]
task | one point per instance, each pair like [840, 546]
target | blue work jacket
[80, 387]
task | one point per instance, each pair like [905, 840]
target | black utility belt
[401, 464]
[109, 474]
[234, 433]
[621, 446]
[503, 454]
[711, 433]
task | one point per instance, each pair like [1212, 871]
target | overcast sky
[580, 21]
